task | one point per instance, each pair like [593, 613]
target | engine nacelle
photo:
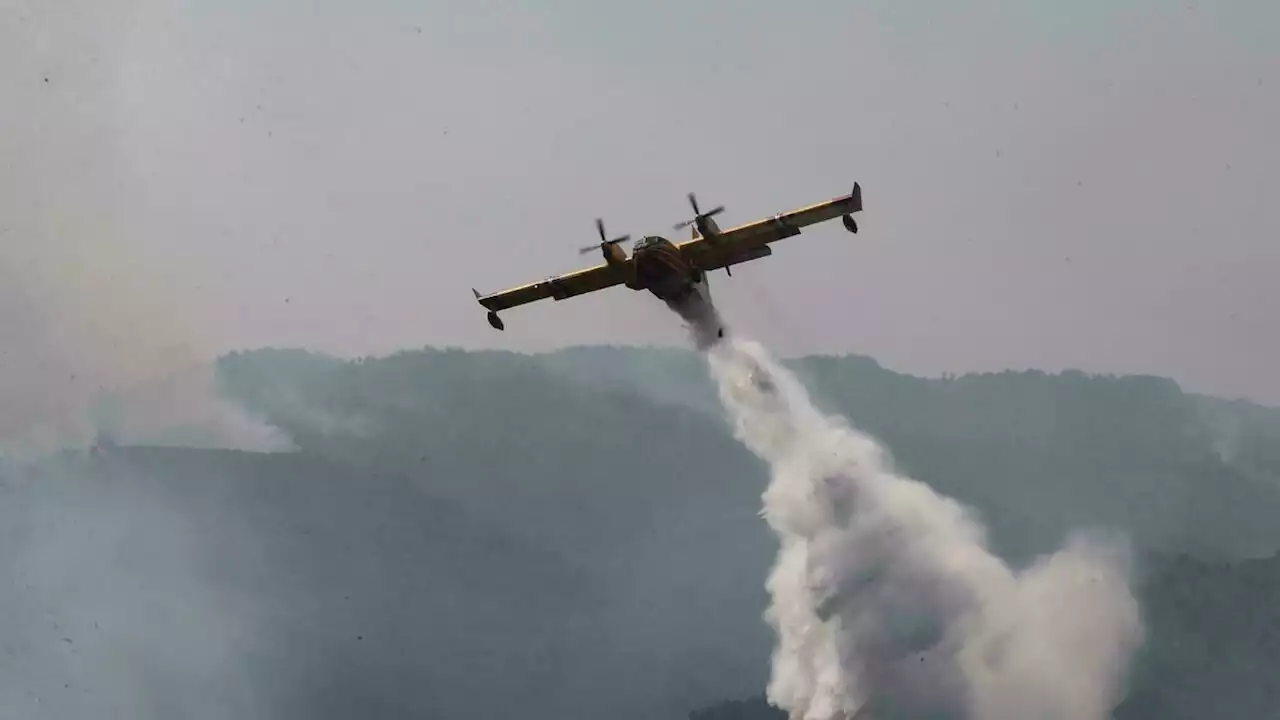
[613, 254]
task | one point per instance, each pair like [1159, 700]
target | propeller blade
[593, 248]
[693, 202]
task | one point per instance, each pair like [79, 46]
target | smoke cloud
[102, 332]
[884, 596]
[82, 364]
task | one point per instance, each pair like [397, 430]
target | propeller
[693, 201]
[603, 241]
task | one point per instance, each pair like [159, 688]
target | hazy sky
[1066, 184]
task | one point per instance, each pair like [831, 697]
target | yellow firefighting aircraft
[672, 270]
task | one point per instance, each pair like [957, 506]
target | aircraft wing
[564, 286]
[751, 241]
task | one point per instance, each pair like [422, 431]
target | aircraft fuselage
[658, 265]
[661, 269]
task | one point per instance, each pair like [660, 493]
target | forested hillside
[576, 535]
[1036, 453]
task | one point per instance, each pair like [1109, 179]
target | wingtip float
[493, 318]
[672, 270]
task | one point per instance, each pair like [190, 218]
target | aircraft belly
[671, 290]
[664, 273]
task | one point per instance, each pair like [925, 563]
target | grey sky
[1047, 184]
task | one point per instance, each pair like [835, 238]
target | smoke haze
[492, 538]
[83, 361]
[102, 333]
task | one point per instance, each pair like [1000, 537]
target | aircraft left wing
[751, 241]
[560, 287]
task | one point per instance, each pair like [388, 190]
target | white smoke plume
[82, 363]
[885, 598]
